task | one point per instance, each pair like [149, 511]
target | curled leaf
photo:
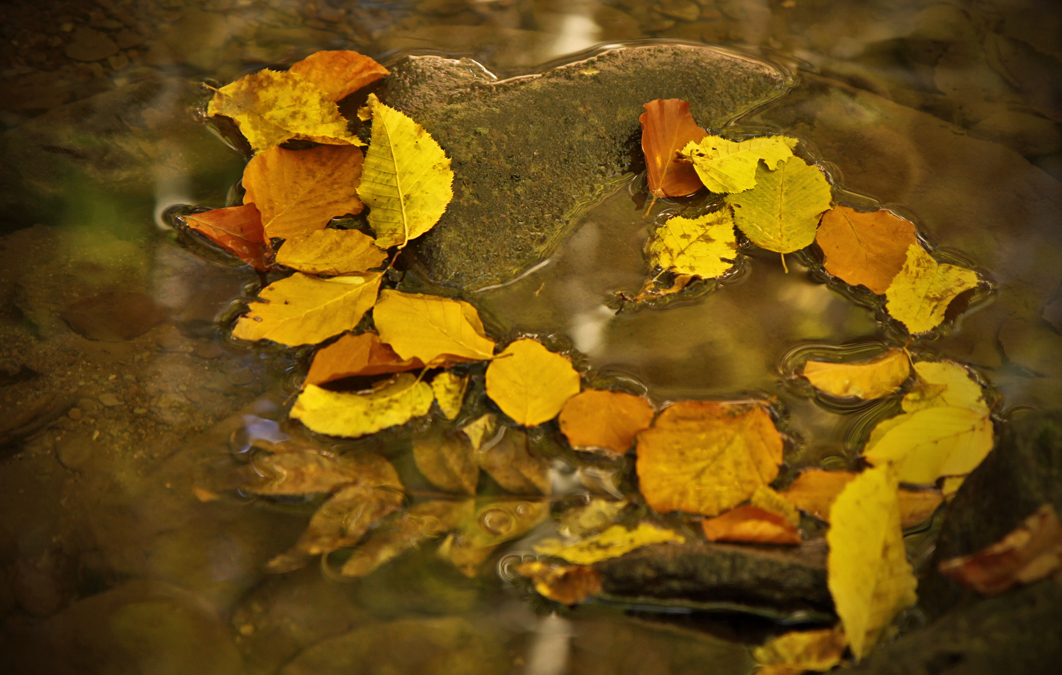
[667, 126]
[866, 249]
[866, 380]
[727, 166]
[431, 328]
[238, 230]
[352, 415]
[705, 246]
[338, 73]
[331, 252]
[604, 420]
[920, 293]
[530, 383]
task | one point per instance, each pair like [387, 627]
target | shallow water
[124, 402]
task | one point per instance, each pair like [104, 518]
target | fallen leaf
[356, 355]
[338, 74]
[705, 246]
[304, 310]
[238, 230]
[815, 490]
[405, 532]
[864, 380]
[751, 525]
[727, 166]
[1029, 553]
[448, 460]
[481, 430]
[509, 461]
[920, 293]
[781, 213]
[530, 383]
[331, 252]
[867, 569]
[941, 383]
[566, 584]
[271, 107]
[931, 442]
[351, 415]
[706, 456]
[667, 126]
[612, 543]
[493, 523]
[431, 328]
[302, 471]
[606, 421]
[596, 515]
[769, 500]
[407, 181]
[951, 485]
[867, 249]
[299, 191]
[449, 393]
[799, 651]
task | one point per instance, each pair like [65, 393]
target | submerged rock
[530, 152]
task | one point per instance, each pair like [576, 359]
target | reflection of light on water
[550, 649]
[587, 329]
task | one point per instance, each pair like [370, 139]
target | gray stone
[530, 153]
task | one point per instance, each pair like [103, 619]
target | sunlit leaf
[815, 490]
[354, 355]
[530, 383]
[798, 651]
[667, 126]
[607, 421]
[612, 543]
[331, 252]
[406, 531]
[751, 525]
[447, 459]
[338, 73]
[238, 230]
[705, 246]
[449, 391]
[341, 414]
[431, 328]
[865, 380]
[866, 249]
[727, 166]
[940, 383]
[566, 584]
[920, 293]
[303, 310]
[510, 462]
[931, 442]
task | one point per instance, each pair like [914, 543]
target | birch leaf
[530, 383]
[920, 293]
[604, 420]
[338, 74]
[431, 328]
[449, 393]
[751, 525]
[356, 355]
[447, 460]
[303, 310]
[351, 415]
[866, 249]
[727, 166]
[667, 126]
[866, 380]
[332, 252]
[612, 543]
[781, 213]
[407, 181]
[238, 230]
[705, 246]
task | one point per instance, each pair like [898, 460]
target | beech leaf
[865, 380]
[530, 383]
[727, 166]
[667, 126]
[332, 252]
[751, 525]
[338, 74]
[920, 293]
[606, 421]
[705, 246]
[612, 543]
[449, 393]
[431, 328]
[351, 415]
[238, 230]
[447, 460]
[356, 355]
[867, 249]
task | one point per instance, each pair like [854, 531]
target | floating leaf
[449, 393]
[706, 456]
[431, 328]
[815, 490]
[705, 246]
[751, 525]
[727, 166]
[304, 310]
[566, 584]
[1029, 553]
[866, 249]
[795, 652]
[301, 471]
[407, 181]
[604, 420]
[530, 383]
[941, 383]
[299, 191]
[356, 355]
[238, 230]
[331, 252]
[510, 462]
[667, 126]
[447, 460]
[341, 414]
[612, 543]
[338, 74]
[867, 569]
[920, 293]
[408, 530]
[271, 107]
[769, 500]
[781, 213]
[865, 380]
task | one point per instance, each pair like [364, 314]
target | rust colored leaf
[566, 584]
[605, 421]
[1029, 553]
[340, 73]
[509, 461]
[356, 355]
[238, 230]
[866, 249]
[667, 126]
[815, 490]
[751, 525]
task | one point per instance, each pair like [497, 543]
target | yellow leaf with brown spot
[340, 73]
[566, 584]
[448, 460]
[449, 391]
[389, 404]
[865, 380]
[815, 490]
[431, 328]
[920, 293]
[612, 543]
[606, 421]
[866, 249]
[751, 525]
[798, 651]
[530, 383]
[356, 355]
[707, 456]
[331, 252]
[705, 246]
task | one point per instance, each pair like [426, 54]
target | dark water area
[126, 407]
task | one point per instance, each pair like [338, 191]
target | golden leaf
[612, 543]
[354, 355]
[705, 246]
[566, 584]
[866, 249]
[865, 380]
[706, 456]
[867, 569]
[593, 517]
[815, 490]
[920, 293]
[725, 166]
[331, 252]
[530, 383]
[304, 310]
[607, 421]
[510, 462]
[751, 525]
[769, 500]
[341, 414]
[407, 181]
[408, 530]
[299, 191]
[449, 393]
[447, 460]
[940, 383]
[238, 230]
[431, 328]
[481, 430]
[798, 651]
[338, 74]
[271, 107]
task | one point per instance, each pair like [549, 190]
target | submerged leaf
[510, 462]
[920, 293]
[449, 393]
[727, 166]
[866, 249]
[612, 543]
[301, 471]
[705, 246]
[408, 530]
[431, 328]
[331, 252]
[865, 380]
[751, 525]
[352, 415]
[530, 383]
[493, 523]
[354, 355]
[566, 584]
[781, 213]
[447, 460]
[238, 230]
[604, 420]
[338, 73]
[667, 126]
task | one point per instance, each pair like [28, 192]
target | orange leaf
[751, 525]
[340, 73]
[815, 490]
[1029, 553]
[604, 420]
[864, 248]
[299, 191]
[566, 584]
[667, 126]
[353, 355]
[237, 229]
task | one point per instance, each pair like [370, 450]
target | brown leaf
[303, 471]
[751, 525]
[356, 355]
[338, 73]
[238, 230]
[406, 531]
[509, 462]
[606, 421]
[667, 126]
[864, 248]
[447, 460]
[566, 584]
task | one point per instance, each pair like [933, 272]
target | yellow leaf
[449, 392]
[429, 327]
[940, 383]
[271, 107]
[612, 543]
[299, 191]
[781, 213]
[447, 460]
[726, 166]
[815, 490]
[707, 456]
[604, 420]
[342, 414]
[338, 73]
[407, 181]
[509, 461]
[704, 246]
[481, 430]
[932, 442]
[530, 383]
[304, 310]
[566, 584]
[920, 293]
[769, 500]
[866, 380]
[331, 252]
[818, 650]
[867, 569]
